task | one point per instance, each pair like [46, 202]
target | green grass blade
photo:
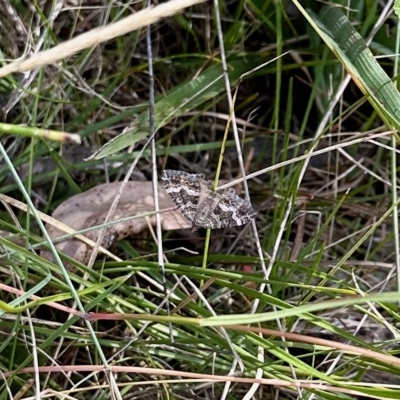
[351, 50]
[178, 101]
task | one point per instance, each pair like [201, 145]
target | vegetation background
[270, 310]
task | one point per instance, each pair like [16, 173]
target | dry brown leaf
[90, 208]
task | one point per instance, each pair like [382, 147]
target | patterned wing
[184, 190]
[231, 210]
[202, 206]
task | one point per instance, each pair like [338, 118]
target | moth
[204, 207]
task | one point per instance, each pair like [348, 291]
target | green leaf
[178, 101]
[396, 7]
[350, 48]
[118, 143]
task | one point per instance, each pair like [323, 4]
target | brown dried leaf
[90, 209]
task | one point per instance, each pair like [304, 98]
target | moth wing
[184, 189]
[232, 210]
